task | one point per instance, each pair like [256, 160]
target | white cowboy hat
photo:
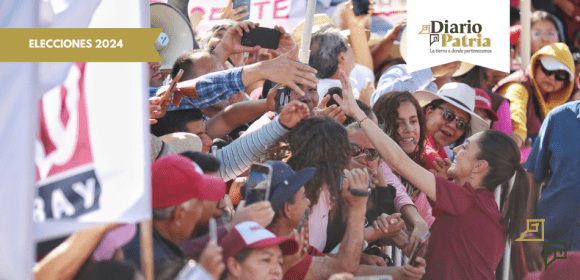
[459, 95]
[174, 143]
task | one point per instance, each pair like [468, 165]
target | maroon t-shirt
[298, 272]
[467, 240]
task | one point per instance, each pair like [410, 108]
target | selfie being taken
[290, 140]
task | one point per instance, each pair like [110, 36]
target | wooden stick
[146, 242]
[166, 94]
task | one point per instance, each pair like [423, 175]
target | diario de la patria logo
[445, 37]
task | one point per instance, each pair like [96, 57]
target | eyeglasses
[449, 116]
[549, 34]
[561, 75]
[356, 151]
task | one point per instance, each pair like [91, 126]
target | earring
[472, 174]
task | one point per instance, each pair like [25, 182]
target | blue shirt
[397, 78]
[211, 89]
[556, 151]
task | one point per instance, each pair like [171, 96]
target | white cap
[552, 64]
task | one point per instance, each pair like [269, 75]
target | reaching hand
[211, 260]
[390, 225]
[332, 111]
[232, 41]
[367, 92]
[396, 30]
[347, 102]
[293, 113]
[284, 70]
[372, 260]
[441, 167]
[421, 228]
[156, 110]
[303, 244]
[411, 272]
[533, 253]
[355, 179]
[261, 213]
[286, 44]
[361, 20]
[235, 14]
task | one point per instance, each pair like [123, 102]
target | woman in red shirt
[468, 237]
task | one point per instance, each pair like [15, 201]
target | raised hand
[231, 43]
[235, 14]
[303, 244]
[286, 44]
[285, 70]
[293, 113]
[390, 225]
[211, 260]
[261, 213]
[156, 110]
[332, 111]
[441, 167]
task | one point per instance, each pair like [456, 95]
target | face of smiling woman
[443, 132]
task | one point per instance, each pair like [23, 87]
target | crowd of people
[376, 155]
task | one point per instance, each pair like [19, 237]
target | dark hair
[386, 111]
[326, 45]
[110, 269]
[206, 162]
[186, 62]
[503, 157]
[542, 15]
[514, 15]
[319, 142]
[175, 121]
[278, 214]
[338, 91]
[575, 54]
[239, 257]
[438, 102]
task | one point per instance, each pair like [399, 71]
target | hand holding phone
[264, 37]
[282, 97]
[353, 192]
[258, 183]
[240, 3]
[303, 219]
[413, 259]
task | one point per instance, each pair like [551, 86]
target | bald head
[196, 63]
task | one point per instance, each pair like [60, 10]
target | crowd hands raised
[376, 167]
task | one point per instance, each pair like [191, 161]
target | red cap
[482, 101]
[175, 180]
[515, 34]
[252, 235]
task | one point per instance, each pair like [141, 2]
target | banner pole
[304, 54]
[146, 242]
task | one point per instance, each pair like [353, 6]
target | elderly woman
[533, 93]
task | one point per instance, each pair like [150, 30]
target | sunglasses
[561, 75]
[449, 116]
[370, 154]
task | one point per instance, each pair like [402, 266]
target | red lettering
[277, 8]
[215, 11]
[261, 8]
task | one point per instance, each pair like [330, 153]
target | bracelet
[284, 127]
[365, 118]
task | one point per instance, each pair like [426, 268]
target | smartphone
[306, 212]
[239, 3]
[413, 258]
[282, 97]
[212, 230]
[360, 7]
[258, 183]
[264, 37]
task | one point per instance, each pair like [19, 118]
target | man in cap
[181, 197]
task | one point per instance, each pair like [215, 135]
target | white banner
[472, 31]
[92, 151]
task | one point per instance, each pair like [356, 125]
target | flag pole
[304, 54]
[146, 242]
